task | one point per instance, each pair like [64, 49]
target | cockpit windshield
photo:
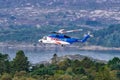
[45, 38]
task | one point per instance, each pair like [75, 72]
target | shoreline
[33, 45]
[72, 57]
[99, 48]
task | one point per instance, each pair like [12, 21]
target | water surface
[38, 54]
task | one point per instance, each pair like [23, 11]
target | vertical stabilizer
[85, 38]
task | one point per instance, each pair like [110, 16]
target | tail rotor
[89, 33]
[86, 36]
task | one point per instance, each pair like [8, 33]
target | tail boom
[85, 38]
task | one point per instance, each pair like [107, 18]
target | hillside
[28, 20]
[108, 37]
[92, 4]
[30, 34]
[93, 13]
[67, 69]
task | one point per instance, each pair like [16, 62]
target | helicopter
[59, 37]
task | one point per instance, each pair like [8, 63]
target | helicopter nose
[40, 41]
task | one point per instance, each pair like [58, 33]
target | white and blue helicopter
[61, 39]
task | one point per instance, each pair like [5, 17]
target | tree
[87, 63]
[114, 63]
[20, 62]
[55, 59]
[104, 74]
[118, 75]
[63, 65]
[79, 70]
[115, 60]
[69, 71]
[76, 63]
[4, 63]
[43, 71]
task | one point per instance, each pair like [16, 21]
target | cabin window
[66, 36]
[57, 36]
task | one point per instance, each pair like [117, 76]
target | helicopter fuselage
[61, 39]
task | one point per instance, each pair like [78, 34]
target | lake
[38, 54]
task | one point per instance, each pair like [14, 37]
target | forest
[21, 69]
[108, 37]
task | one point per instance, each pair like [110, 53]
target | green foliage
[114, 63]
[65, 77]
[87, 63]
[25, 33]
[70, 71]
[20, 62]
[79, 70]
[76, 63]
[108, 37]
[67, 69]
[98, 66]
[61, 72]
[103, 74]
[20, 74]
[84, 78]
[43, 71]
[4, 63]
[64, 64]
[115, 60]
[6, 76]
[118, 74]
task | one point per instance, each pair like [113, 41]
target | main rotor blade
[63, 31]
[74, 30]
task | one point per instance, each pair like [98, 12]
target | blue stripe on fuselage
[69, 40]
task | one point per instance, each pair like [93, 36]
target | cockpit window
[45, 38]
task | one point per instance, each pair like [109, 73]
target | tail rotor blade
[89, 33]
